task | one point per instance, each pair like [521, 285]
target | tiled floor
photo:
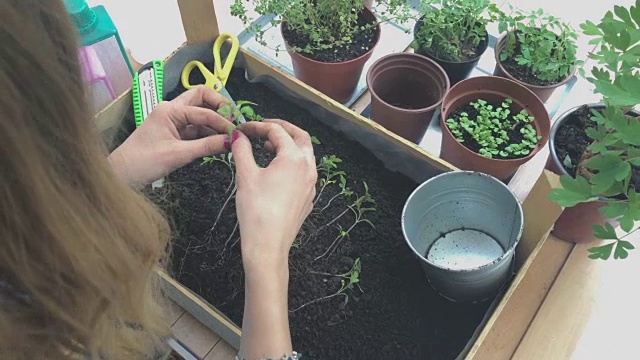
[152, 30]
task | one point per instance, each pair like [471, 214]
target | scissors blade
[241, 118]
[226, 94]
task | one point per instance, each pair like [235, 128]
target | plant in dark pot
[329, 41]
[492, 125]
[596, 148]
[453, 33]
[538, 51]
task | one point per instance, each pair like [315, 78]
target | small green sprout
[348, 282]
[490, 129]
[360, 207]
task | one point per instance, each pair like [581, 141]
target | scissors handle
[223, 71]
[211, 81]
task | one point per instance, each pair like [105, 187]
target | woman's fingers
[191, 132]
[200, 96]
[243, 156]
[183, 116]
[190, 150]
[300, 136]
[276, 135]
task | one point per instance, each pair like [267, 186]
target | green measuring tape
[147, 90]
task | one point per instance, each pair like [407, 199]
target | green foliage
[540, 42]
[234, 112]
[361, 206]
[453, 31]
[616, 137]
[618, 37]
[490, 130]
[315, 141]
[351, 278]
[329, 24]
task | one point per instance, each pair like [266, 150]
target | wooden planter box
[539, 258]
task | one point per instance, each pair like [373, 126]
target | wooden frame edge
[199, 20]
[200, 309]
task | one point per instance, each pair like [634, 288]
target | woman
[79, 245]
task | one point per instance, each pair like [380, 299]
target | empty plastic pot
[405, 91]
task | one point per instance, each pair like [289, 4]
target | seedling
[490, 129]
[226, 160]
[348, 281]
[344, 191]
[539, 42]
[234, 112]
[329, 168]
[453, 31]
[359, 208]
[607, 167]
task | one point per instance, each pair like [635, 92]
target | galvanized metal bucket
[464, 227]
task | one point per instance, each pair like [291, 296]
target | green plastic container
[105, 65]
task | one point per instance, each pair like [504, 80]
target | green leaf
[614, 209]
[601, 252]
[567, 162]
[635, 14]
[610, 168]
[623, 14]
[574, 191]
[590, 29]
[621, 249]
[314, 140]
[604, 233]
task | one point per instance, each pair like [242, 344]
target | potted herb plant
[492, 125]
[329, 40]
[538, 51]
[454, 34]
[596, 148]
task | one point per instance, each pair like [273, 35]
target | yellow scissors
[218, 79]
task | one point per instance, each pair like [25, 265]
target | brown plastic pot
[574, 224]
[543, 92]
[491, 89]
[405, 91]
[337, 80]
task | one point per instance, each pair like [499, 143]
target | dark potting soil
[362, 42]
[515, 137]
[397, 314]
[571, 140]
[524, 74]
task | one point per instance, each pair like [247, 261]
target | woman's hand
[172, 136]
[271, 203]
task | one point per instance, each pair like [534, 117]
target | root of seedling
[346, 300]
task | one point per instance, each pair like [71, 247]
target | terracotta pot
[543, 92]
[368, 4]
[337, 80]
[456, 71]
[405, 91]
[575, 223]
[492, 89]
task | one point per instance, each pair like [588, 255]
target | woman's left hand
[172, 136]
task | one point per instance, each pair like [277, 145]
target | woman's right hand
[273, 202]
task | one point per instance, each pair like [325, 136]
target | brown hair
[78, 247]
